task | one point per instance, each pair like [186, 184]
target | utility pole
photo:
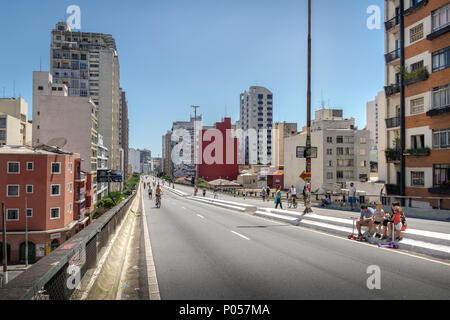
[308, 125]
[195, 145]
[402, 106]
[4, 247]
[26, 234]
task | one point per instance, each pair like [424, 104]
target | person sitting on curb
[326, 201]
[366, 219]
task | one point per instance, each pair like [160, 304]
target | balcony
[415, 76]
[419, 152]
[438, 111]
[391, 56]
[392, 89]
[390, 24]
[441, 189]
[393, 155]
[439, 32]
[393, 122]
[419, 4]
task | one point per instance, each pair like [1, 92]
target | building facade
[282, 130]
[342, 153]
[15, 129]
[418, 99]
[124, 131]
[39, 188]
[255, 124]
[166, 159]
[219, 153]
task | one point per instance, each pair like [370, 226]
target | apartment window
[348, 174]
[417, 66]
[329, 175]
[416, 33]
[441, 175]
[55, 190]
[29, 213]
[2, 123]
[441, 139]
[30, 166]
[69, 208]
[340, 151]
[12, 214]
[56, 167]
[70, 167]
[417, 106]
[363, 164]
[54, 213]
[349, 139]
[441, 59]
[329, 152]
[441, 97]
[417, 141]
[330, 163]
[13, 167]
[440, 17]
[362, 140]
[12, 190]
[417, 178]
[40, 88]
[329, 139]
[29, 188]
[339, 139]
[340, 174]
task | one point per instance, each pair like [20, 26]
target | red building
[219, 157]
[39, 189]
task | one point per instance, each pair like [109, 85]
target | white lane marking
[200, 216]
[153, 288]
[240, 235]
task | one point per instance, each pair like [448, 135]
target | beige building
[342, 153]
[282, 130]
[15, 129]
[61, 119]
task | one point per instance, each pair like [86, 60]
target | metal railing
[393, 122]
[391, 56]
[392, 89]
[51, 277]
[395, 21]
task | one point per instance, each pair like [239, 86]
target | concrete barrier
[227, 204]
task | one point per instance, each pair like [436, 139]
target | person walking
[244, 193]
[278, 196]
[268, 193]
[263, 194]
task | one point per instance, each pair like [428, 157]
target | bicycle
[292, 202]
[158, 201]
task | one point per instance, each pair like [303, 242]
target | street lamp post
[195, 144]
[308, 125]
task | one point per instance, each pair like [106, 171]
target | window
[418, 141]
[416, 33]
[329, 139]
[349, 139]
[417, 178]
[417, 66]
[441, 139]
[340, 139]
[441, 97]
[441, 175]
[329, 175]
[340, 174]
[29, 188]
[12, 214]
[329, 152]
[330, 163]
[69, 208]
[40, 88]
[56, 167]
[363, 164]
[440, 17]
[417, 105]
[55, 190]
[13, 167]
[362, 140]
[29, 213]
[441, 59]
[2, 123]
[54, 213]
[340, 151]
[12, 190]
[30, 166]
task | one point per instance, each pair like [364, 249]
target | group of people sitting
[382, 223]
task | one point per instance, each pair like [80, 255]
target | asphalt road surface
[206, 252]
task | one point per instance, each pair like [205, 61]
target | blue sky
[177, 53]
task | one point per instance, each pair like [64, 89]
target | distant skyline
[174, 54]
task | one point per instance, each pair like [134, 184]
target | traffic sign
[305, 176]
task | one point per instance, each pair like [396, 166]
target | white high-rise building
[256, 124]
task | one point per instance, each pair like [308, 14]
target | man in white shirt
[352, 195]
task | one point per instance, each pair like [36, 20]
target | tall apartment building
[256, 113]
[135, 160]
[373, 125]
[282, 130]
[188, 167]
[58, 117]
[124, 131]
[102, 164]
[14, 126]
[88, 64]
[166, 159]
[342, 152]
[418, 98]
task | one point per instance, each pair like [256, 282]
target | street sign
[305, 176]
[302, 152]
